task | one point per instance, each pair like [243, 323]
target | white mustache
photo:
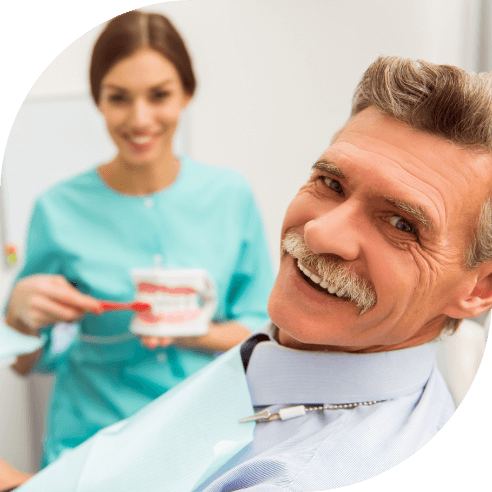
[332, 272]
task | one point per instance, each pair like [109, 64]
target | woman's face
[141, 99]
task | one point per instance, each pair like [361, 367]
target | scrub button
[149, 202]
[161, 357]
[157, 259]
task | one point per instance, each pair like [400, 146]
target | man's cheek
[429, 268]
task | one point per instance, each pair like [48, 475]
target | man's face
[395, 210]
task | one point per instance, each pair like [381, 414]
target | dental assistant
[147, 207]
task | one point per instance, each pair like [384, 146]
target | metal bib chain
[300, 410]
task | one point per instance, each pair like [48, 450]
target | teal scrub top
[94, 236]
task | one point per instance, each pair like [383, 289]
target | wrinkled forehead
[448, 182]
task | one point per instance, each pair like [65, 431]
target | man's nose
[335, 232]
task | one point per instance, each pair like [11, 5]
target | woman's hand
[42, 300]
[10, 477]
[220, 338]
[154, 342]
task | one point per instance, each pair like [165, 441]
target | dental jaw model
[183, 302]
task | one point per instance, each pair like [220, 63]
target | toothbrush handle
[135, 306]
[111, 306]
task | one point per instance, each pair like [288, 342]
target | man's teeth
[322, 283]
[140, 140]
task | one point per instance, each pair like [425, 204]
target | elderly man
[386, 246]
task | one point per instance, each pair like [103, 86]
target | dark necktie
[249, 345]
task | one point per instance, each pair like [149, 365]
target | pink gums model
[172, 317]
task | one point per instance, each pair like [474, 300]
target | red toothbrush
[133, 306]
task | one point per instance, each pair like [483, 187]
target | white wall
[486, 37]
[276, 76]
[275, 81]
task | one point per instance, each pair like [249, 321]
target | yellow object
[11, 253]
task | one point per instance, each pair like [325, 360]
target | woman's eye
[403, 225]
[159, 96]
[333, 184]
[117, 98]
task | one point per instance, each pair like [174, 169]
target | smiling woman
[141, 100]
[145, 208]
[141, 79]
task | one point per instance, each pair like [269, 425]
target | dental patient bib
[173, 444]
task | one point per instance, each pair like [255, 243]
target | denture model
[179, 307]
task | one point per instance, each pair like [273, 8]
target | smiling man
[375, 245]
[387, 246]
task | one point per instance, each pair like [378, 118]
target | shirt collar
[281, 375]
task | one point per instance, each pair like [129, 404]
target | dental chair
[459, 356]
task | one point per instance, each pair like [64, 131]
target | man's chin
[287, 340]
[304, 341]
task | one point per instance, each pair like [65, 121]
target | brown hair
[133, 30]
[442, 100]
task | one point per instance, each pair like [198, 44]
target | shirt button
[149, 203]
[157, 259]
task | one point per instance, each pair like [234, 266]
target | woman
[145, 208]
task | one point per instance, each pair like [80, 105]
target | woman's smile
[141, 143]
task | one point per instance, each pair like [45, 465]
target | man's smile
[321, 285]
[327, 275]
[309, 289]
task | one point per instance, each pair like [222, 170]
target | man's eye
[403, 225]
[333, 184]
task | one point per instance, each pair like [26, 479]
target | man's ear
[478, 300]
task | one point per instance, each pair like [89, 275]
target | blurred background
[275, 80]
